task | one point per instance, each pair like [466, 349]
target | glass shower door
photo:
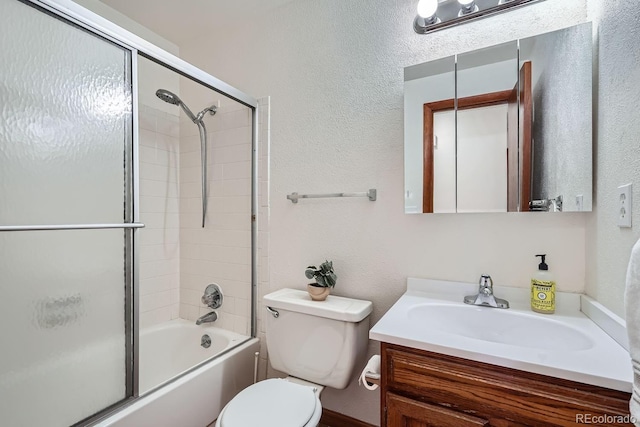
[65, 220]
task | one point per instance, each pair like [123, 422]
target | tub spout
[207, 318]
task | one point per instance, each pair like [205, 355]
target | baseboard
[334, 419]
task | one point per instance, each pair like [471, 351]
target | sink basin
[431, 316]
[499, 326]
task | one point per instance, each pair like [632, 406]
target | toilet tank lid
[334, 307]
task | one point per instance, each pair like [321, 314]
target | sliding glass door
[66, 232]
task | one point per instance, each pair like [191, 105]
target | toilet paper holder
[372, 378]
[371, 374]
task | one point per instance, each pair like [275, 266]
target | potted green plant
[325, 280]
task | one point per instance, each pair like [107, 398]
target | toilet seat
[273, 402]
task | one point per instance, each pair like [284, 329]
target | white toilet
[317, 344]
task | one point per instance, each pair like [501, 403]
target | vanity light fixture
[435, 15]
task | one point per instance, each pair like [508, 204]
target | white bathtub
[196, 399]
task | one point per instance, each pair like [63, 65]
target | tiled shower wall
[221, 252]
[179, 258]
[159, 204]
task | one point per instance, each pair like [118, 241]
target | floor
[214, 423]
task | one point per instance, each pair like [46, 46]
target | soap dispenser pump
[543, 289]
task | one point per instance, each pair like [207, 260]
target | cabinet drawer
[490, 391]
[402, 411]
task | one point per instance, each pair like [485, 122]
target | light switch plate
[624, 206]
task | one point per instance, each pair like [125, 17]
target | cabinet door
[404, 412]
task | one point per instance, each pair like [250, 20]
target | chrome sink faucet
[485, 295]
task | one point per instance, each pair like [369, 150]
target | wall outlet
[624, 206]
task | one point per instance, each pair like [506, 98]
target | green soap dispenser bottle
[543, 289]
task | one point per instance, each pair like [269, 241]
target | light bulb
[467, 6]
[427, 8]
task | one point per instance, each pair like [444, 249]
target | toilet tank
[317, 341]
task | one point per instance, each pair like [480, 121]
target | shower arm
[203, 162]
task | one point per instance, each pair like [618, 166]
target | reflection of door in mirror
[481, 171]
[482, 159]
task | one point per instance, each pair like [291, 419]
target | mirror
[427, 84]
[502, 129]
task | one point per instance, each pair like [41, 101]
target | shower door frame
[101, 27]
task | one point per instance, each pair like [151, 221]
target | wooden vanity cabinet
[420, 388]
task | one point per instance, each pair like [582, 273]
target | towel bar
[68, 227]
[371, 194]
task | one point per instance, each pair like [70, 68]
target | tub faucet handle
[212, 296]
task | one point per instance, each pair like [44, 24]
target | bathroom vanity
[421, 388]
[445, 363]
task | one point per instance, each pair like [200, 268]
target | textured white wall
[336, 86]
[617, 150]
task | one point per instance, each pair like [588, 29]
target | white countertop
[604, 363]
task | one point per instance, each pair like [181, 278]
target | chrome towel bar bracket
[371, 194]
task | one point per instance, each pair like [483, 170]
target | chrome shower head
[172, 98]
[167, 96]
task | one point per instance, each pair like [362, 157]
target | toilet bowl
[273, 403]
[317, 344]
